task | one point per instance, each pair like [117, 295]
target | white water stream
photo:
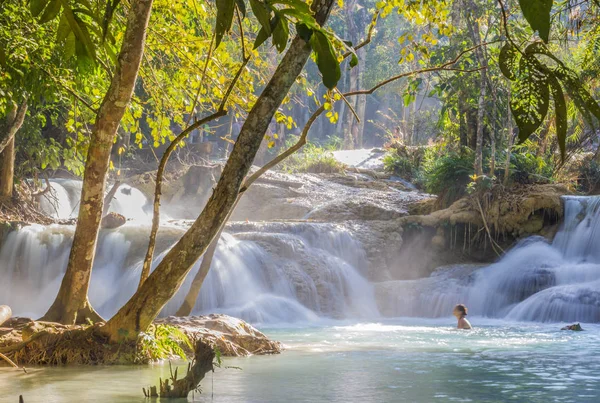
[264, 273]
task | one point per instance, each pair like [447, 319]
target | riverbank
[29, 342]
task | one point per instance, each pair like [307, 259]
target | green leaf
[51, 11]
[281, 33]
[326, 59]
[354, 60]
[530, 97]
[225, 10]
[298, 5]
[301, 17]
[260, 38]
[241, 5]
[586, 104]
[63, 29]
[69, 48]
[537, 14]
[79, 29]
[37, 6]
[304, 31]
[263, 15]
[508, 61]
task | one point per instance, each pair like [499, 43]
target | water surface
[407, 360]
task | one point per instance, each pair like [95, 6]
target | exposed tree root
[70, 346]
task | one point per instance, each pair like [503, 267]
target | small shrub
[399, 165]
[404, 161]
[527, 168]
[312, 159]
[447, 175]
[588, 178]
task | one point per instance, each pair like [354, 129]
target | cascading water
[62, 201]
[263, 273]
[535, 281]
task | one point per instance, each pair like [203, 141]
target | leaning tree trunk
[71, 304]
[192, 295]
[139, 312]
[8, 130]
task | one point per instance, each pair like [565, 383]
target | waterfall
[269, 272]
[535, 281]
[62, 201]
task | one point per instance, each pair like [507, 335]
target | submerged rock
[232, 336]
[113, 220]
[576, 327]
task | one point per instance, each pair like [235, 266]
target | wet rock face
[232, 336]
[113, 220]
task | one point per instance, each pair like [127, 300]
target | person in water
[460, 311]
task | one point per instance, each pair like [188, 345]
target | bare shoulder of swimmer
[464, 324]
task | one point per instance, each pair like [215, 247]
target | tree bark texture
[8, 130]
[71, 304]
[139, 312]
[192, 295]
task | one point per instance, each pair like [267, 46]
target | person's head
[460, 310]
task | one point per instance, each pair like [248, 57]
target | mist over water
[282, 272]
[535, 281]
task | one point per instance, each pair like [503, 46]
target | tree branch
[302, 140]
[163, 164]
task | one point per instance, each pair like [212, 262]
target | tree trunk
[14, 121]
[192, 295]
[509, 127]
[492, 154]
[361, 104]
[7, 169]
[476, 36]
[139, 312]
[71, 304]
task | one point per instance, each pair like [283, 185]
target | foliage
[588, 179]
[403, 160]
[527, 167]
[312, 159]
[536, 74]
[163, 341]
[447, 173]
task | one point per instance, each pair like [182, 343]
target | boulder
[576, 327]
[113, 220]
[232, 336]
